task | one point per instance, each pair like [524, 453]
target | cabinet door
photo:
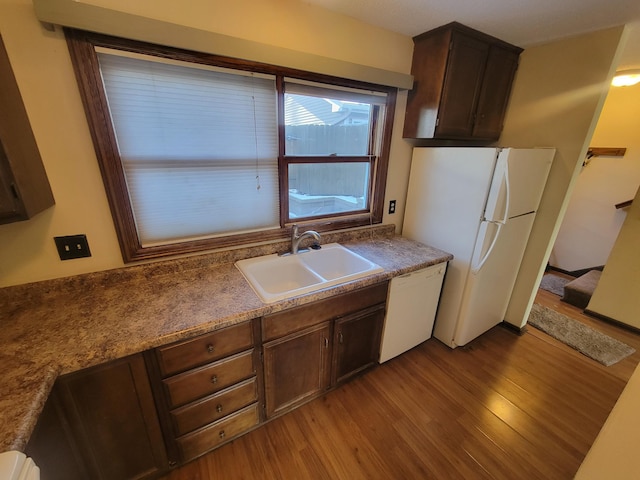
[296, 368]
[113, 418]
[24, 186]
[52, 445]
[357, 342]
[494, 95]
[463, 79]
[10, 206]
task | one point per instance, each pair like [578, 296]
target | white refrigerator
[479, 204]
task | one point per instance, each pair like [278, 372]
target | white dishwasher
[411, 310]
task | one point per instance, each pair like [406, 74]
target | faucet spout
[296, 239]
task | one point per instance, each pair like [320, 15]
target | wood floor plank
[512, 386]
[502, 442]
[505, 407]
[481, 399]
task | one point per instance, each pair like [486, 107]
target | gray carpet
[586, 340]
[554, 284]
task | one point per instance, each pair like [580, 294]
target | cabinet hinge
[437, 121]
[451, 45]
[261, 356]
[14, 191]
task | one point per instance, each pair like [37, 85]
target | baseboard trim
[512, 328]
[574, 273]
[613, 321]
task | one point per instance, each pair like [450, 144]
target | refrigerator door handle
[499, 198]
[507, 188]
[498, 223]
[475, 269]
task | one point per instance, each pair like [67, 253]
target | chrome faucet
[296, 239]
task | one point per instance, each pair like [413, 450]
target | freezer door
[527, 170]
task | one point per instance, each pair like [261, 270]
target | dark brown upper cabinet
[24, 186]
[462, 82]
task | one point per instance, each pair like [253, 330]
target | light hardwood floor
[504, 407]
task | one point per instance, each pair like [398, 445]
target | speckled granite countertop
[60, 326]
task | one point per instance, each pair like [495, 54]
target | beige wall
[591, 224]
[282, 23]
[558, 94]
[617, 295]
[42, 67]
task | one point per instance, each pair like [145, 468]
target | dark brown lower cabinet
[110, 424]
[357, 343]
[52, 445]
[208, 389]
[136, 417]
[296, 367]
[315, 347]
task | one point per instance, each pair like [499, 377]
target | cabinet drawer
[204, 349]
[294, 319]
[214, 407]
[197, 383]
[207, 438]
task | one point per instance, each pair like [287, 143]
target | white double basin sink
[277, 277]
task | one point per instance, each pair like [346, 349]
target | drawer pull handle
[214, 379]
[210, 348]
[219, 408]
[340, 338]
[221, 434]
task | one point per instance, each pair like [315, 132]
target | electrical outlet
[392, 206]
[72, 246]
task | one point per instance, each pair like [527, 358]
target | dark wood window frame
[82, 45]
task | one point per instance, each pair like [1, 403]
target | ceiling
[521, 22]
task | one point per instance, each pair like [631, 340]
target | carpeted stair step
[578, 292]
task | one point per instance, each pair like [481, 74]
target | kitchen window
[331, 140]
[200, 152]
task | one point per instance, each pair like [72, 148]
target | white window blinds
[198, 146]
